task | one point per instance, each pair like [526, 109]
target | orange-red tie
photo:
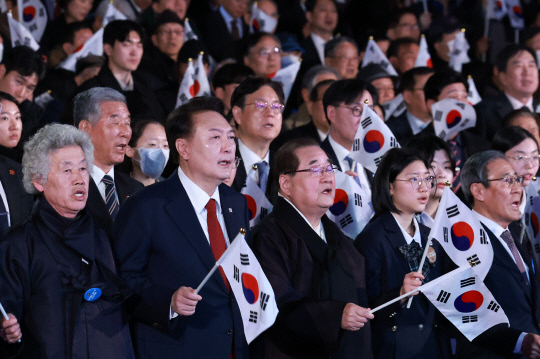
[215, 234]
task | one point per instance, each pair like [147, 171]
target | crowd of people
[117, 198]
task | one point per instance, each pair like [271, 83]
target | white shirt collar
[319, 43]
[318, 229]
[516, 104]
[98, 174]
[322, 135]
[340, 151]
[249, 158]
[425, 219]
[496, 229]
[408, 238]
[416, 124]
[197, 196]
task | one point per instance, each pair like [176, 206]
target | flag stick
[4, 314]
[424, 2]
[394, 300]
[516, 35]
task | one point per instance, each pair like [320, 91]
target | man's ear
[429, 103]
[407, 96]
[85, 126]
[219, 92]
[67, 48]
[107, 49]
[478, 192]
[331, 113]
[285, 185]
[38, 185]
[154, 40]
[237, 114]
[182, 147]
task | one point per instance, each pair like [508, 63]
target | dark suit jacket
[241, 175]
[160, 247]
[19, 202]
[401, 128]
[308, 130]
[125, 187]
[218, 38]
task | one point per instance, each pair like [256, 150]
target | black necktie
[235, 33]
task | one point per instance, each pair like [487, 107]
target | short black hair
[118, 30]
[314, 94]
[395, 45]
[8, 97]
[310, 4]
[504, 56]
[398, 14]
[346, 91]
[286, 158]
[507, 138]
[69, 34]
[409, 78]
[252, 84]
[251, 40]
[520, 112]
[180, 122]
[392, 164]
[231, 74]
[436, 83]
[330, 47]
[426, 145]
[24, 60]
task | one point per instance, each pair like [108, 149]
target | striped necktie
[110, 196]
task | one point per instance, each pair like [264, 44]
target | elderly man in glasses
[317, 275]
[257, 104]
[493, 188]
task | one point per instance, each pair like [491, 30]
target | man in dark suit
[103, 114]
[169, 235]
[490, 183]
[257, 105]
[16, 201]
[317, 275]
[518, 73]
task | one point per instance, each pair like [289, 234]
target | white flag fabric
[253, 292]
[286, 76]
[19, 34]
[188, 31]
[496, 9]
[374, 55]
[43, 99]
[112, 14]
[261, 21]
[352, 207]
[532, 215]
[372, 140]
[461, 234]
[473, 96]
[3, 6]
[33, 16]
[1, 52]
[92, 46]
[515, 14]
[424, 58]
[259, 206]
[187, 88]
[201, 79]
[394, 107]
[451, 116]
[458, 52]
[466, 302]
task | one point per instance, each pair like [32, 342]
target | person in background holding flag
[494, 190]
[317, 275]
[393, 245]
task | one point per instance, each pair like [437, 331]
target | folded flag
[458, 51]
[112, 14]
[20, 35]
[33, 16]
[374, 55]
[473, 96]
[286, 76]
[394, 107]
[451, 116]
[424, 58]
[261, 21]
[258, 205]
[532, 215]
[92, 46]
[496, 9]
[201, 78]
[187, 89]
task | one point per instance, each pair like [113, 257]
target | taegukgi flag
[374, 55]
[531, 216]
[461, 234]
[258, 205]
[286, 76]
[92, 46]
[187, 89]
[394, 107]
[19, 34]
[515, 14]
[352, 207]
[112, 14]
[202, 86]
[261, 21]
[451, 116]
[466, 302]
[496, 9]
[188, 31]
[372, 140]
[473, 96]
[424, 58]
[33, 16]
[458, 51]
[253, 292]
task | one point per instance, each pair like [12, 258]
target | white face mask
[153, 161]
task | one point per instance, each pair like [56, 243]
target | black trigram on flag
[438, 115]
[443, 297]
[445, 234]
[464, 123]
[473, 260]
[452, 211]
[531, 198]
[244, 259]
[356, 144]
[236, 274]
[377, 161]
[264, 213]
[538, 193]
[460, 105]
[264, 300]
[366, 122]
[442, 134]
[467, 282]
[357, 200]
[537, 248]
[253, 316]
[393, 142]
[469, 319]
[493, 306]
[527, 219]
[344, 222]
[483, 237]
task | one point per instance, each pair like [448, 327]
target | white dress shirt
[249, 158]
[417, 125]
[322, 135]
[97, 176]
[228, 18]
[408, 238]
[319, 43]
[516, 104]
[318, 229]
[341, 153]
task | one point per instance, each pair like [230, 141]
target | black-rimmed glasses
[317, 170]
[510, 180]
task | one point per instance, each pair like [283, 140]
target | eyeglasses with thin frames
[510, 180]
[523, 160]
[263, 106]
[416, 182]
[317, 170]
[267, 52]
[356, 110]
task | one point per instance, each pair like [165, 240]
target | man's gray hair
[308, 81]
[87, 104]
[331, 46]
[475, 171]
[35, 162]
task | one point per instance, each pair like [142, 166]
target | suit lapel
[327, 147]
[231, 212]
[393, 235]
[12, 190]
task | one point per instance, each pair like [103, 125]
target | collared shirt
[97, 176]
[125, 86]
[319, 43]
[249, 158]
[341, 153]
[228, 18]
[425, 219]
[4, 199]
[417, 125]
[319, 229]
[516, 104]
[408, 238]
[322, 135]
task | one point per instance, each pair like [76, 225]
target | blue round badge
[92, 294]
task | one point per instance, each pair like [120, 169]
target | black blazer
[125, 187]
[307, 130]
[241, 175]
[219, 40]
[19, 201]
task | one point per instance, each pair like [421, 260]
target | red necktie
[215, 234]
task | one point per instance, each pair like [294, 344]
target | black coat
[218, 39]
[309, 130]
[19, 201]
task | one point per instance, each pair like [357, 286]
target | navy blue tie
[110, 196]
[263, 169]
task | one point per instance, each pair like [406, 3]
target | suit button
[394, 328]
[229, 331]
[420, 326]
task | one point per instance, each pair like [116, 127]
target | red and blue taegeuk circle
[469, 301]
[462, 236]
[341, 201]
[252, 206]
[29, 13]
[518, 11]
[250, 287]
[373, 141]
[453, 118]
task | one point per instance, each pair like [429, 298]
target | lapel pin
[230, 210]
[12, 172]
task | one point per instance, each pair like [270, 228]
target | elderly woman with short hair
[57, 275]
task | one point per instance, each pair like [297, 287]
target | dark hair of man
[310, 4]
[475, 170]
[231, 74]
[501, 61]
[409, 78]
[252, 84]
[521, 112]
[331, 46]
[509, 137]
[118, 30]
[397, 15]
[286, 158]
[345, 91]
[395, 45]
[426, 146]
[392, 164]
[436, 83]
[138, 128]
[180, 122]
[71, 29]
[251, 40]
[7, 97]
[24, 60]
[314, 94]
[62, 4]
